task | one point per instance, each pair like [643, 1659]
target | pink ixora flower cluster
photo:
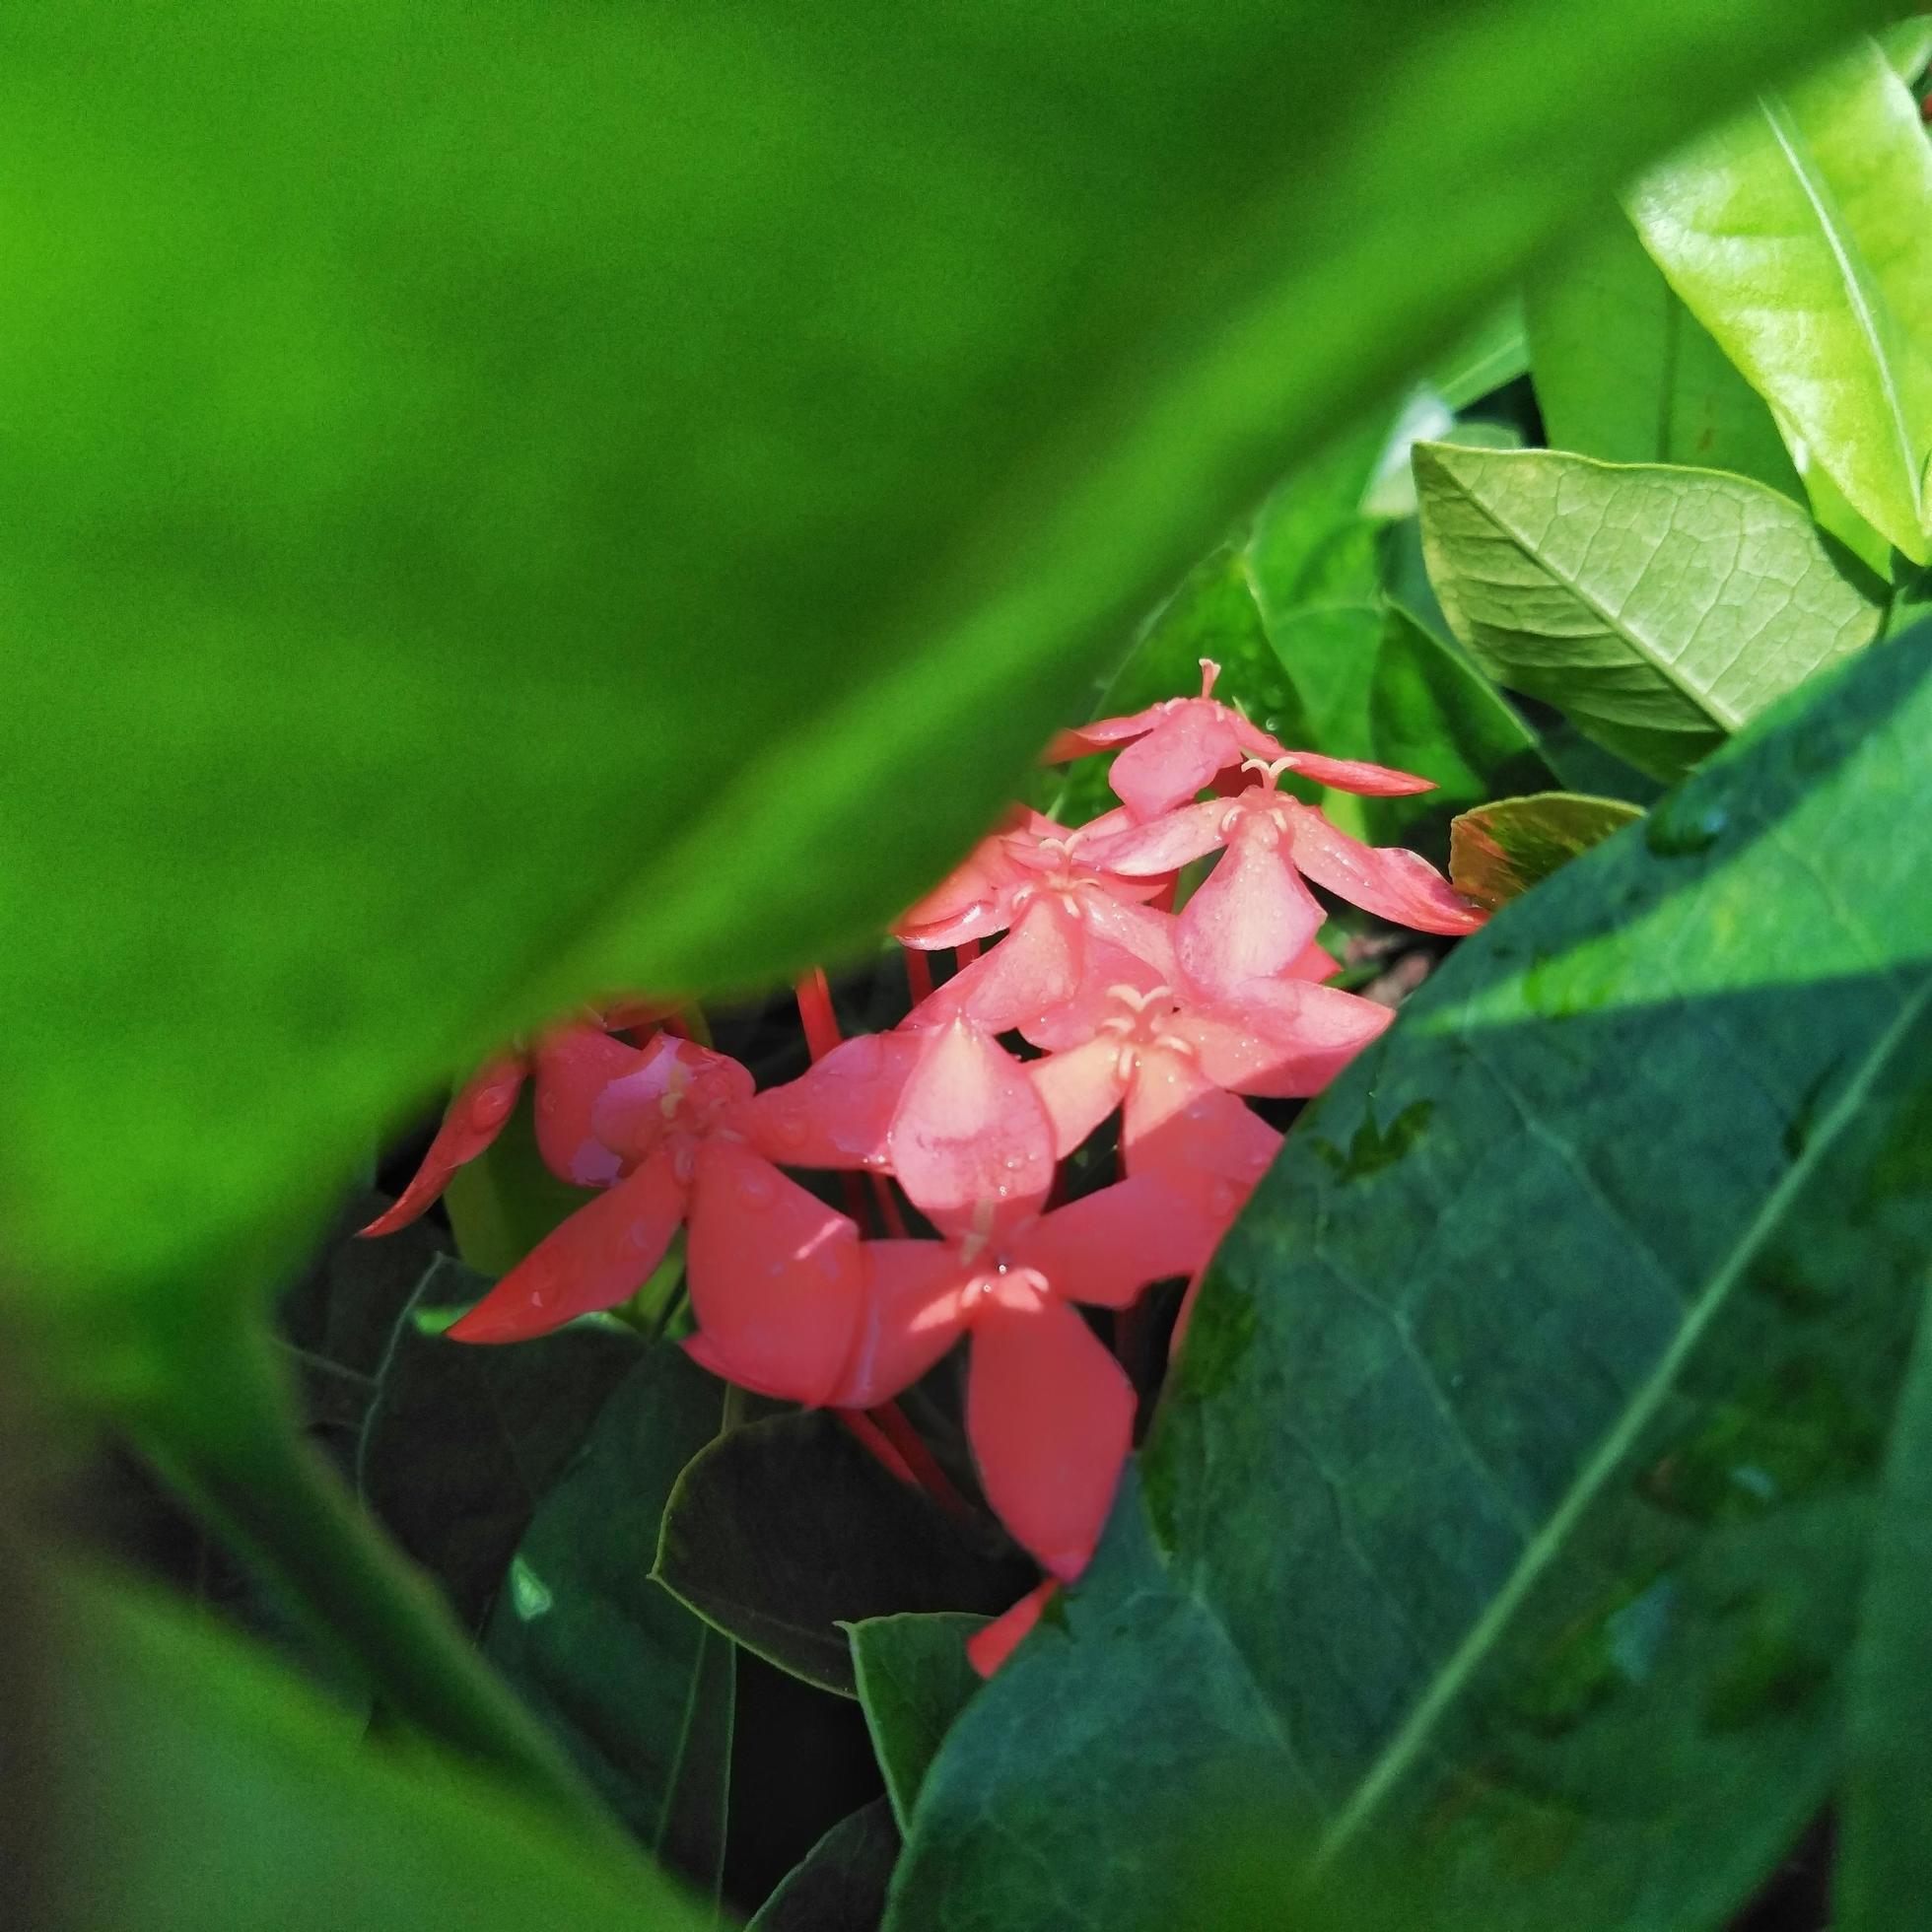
[1163, 1018]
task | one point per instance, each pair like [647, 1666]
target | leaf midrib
[1410, 1741]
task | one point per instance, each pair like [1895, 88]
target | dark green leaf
[913, 1680]
[839, 1885]
[1497, 851]
[500, 496]
[638, 1687]
[1529, 1546]
[1624, 372]
[462, 1441]
[1659, 608]
[200, 1789]
[784, 1530]
[1884, 1872]
[1800, 234]
[505, 1201]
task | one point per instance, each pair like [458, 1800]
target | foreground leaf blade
[1661, 608]
[1538, 1559]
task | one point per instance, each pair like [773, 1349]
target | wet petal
[1080, 1089]
[1354, 775]
[837, 1114]
[777, 1281]
[1160, 845]
[1033, 969]
[574, 1067]
[1251, 919]
[1314, 963]
[1286, 1038]
[602, 1254]
[1148, 935]
[1050, 1416]
[474, 1119]
[914, 1312]
[987, 1648]
[1175, 759]
[1182, 1131]
[1104, 967]
[1387, 880]
[1101, 734]
[1106, 1247]
[969, 903]
[971, 1142]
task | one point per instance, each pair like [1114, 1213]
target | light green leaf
[509, 505]
[1800, 234]
[839, 1886]
[638, 1689]
[1659, 608]
[201, 1789]
[912, 1679]
[1497, 851]
[1529, 1548]
[1624, 372]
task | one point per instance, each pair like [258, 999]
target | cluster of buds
[1126, 1008]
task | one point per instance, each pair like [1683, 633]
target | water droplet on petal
[755, 1189]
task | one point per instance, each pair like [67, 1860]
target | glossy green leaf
[1659, 608]
[839, 1883]
[464, 1442]
[1884, 1872]
[913, 1679]
[1624, 372]
[1800, 234]
[1497, 851]
[784, 1530]
[1531, 1546]
[201, 1789]
[507, 506]
[638, 1687]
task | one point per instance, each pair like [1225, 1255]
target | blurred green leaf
[782, 1530]
[464, 1442]
[913, 1680]
[1624, 372]
[200, 1789]
[1800, 234]
[1494, 352]
[1659, 608]
[1884, 1871]
[1531, 1549]
[1497, 851]
[839, 1885]
[516, 505]
[638, 1687]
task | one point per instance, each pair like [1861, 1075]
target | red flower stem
[868, 1432]
[964, 954]
[890, 1218]
[911, 1448]
[815, 1014]
[918, 974]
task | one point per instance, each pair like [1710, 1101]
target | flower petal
[914, 1312]
[1251, 919]
[1104, 968]
[1080, 1089]
[574, 1067]
[1102, 733]
[1106, 1247]
[1175, 759]
[1033, 969]
[971, 1142]
[777, 1279]
[990, 1647]
[1181, 1130]
[1354, 775]
[474, 1119]
[1050, 1416]
[1388, 881]
[837, 1114]
[605, 1252]
[1160, 845]
[1288, 1038]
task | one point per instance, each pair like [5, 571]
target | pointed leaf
[1661, 608]
[839, 1883]
[1497, 853]
[913, 1679]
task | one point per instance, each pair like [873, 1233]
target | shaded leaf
[912, 1679]
[1533, 1558]
[501, 1204]
[1800, 234]
[462, 1441]
[839, 1885]
[638, 1687]
[782, 1530]
[1884, 1872]
[1497, 851]
[1659, 608]
[1624, 372]
[200, 1789]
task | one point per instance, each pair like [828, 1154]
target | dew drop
[755, 1189]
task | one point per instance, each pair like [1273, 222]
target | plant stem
[229, 1446]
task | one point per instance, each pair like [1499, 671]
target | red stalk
[906, 1442]
[918, 974]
